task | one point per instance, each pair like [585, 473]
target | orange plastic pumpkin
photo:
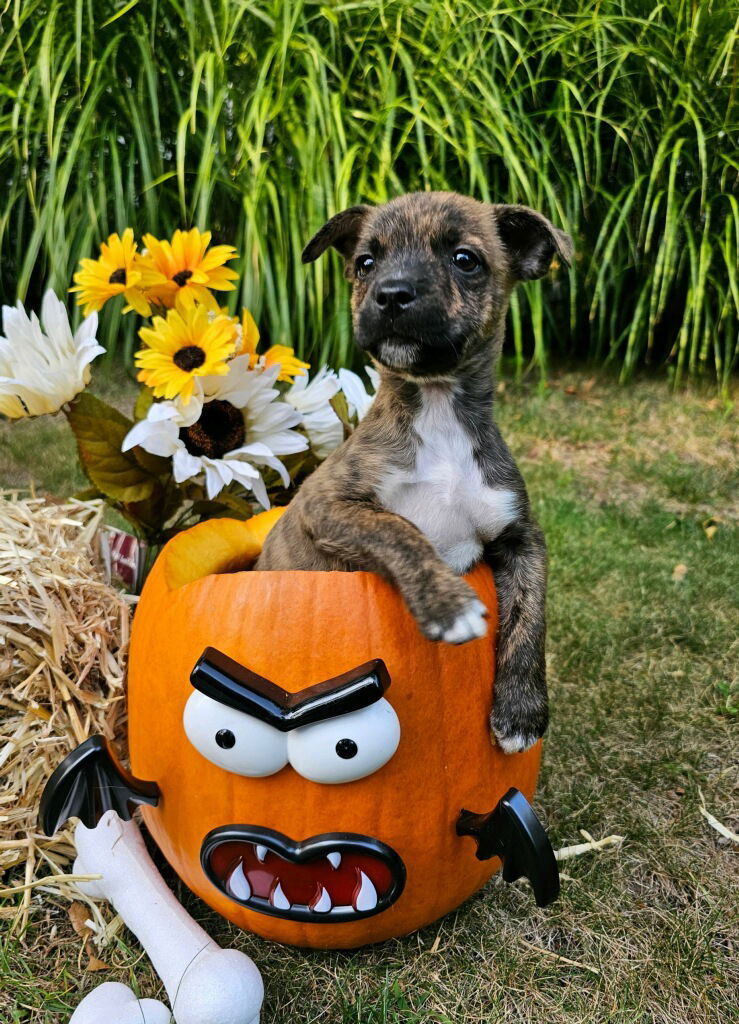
[298, 629]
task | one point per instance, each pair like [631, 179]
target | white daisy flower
[231, 426]
[358, 398]
[43, 368]
[312, 399]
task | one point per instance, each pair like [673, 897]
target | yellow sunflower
[114, 273]
[290, 365]
[188, 344]
[181, 272]
[249, 338]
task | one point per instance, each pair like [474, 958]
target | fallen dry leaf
[679, 572]
[94, 964]
[79, 915]
[723, 830]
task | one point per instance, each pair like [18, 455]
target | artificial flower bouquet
[218, 428]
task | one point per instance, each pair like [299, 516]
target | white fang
[261, 852]
[323, 904]
[278, 898]
[367, 895]
[238, 883]
[334, 859]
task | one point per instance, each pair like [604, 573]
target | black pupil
[225, 739]
[465, 260]
[346, 749]
[365, 263]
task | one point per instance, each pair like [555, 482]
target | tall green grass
[620, 119]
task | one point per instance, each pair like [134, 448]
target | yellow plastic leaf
[216, 546]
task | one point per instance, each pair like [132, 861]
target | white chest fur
[443, 493]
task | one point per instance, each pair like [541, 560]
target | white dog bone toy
[205, 984]
[113, 1003]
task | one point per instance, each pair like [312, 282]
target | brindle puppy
[425, 487]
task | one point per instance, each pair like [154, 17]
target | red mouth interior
[360, 881]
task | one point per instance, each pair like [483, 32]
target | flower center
[220, 429]
[182, 277]
[189, 358]
[118, 276]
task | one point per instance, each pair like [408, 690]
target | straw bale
[63, 642]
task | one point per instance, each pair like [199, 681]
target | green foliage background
[619, 119]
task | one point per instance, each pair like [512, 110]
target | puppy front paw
[470, 624]
[451, 612]
[514, 743]
[518, 719]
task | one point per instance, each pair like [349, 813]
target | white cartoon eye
[347, 747]
[232, 739]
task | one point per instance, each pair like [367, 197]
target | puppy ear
[341, 232]
[530, 241]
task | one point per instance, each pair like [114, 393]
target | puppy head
[432, 272]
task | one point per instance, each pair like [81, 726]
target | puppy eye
[347, 747]
[465, 260]
[232, 739]
[363, 265]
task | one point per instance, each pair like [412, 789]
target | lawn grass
[627, 484]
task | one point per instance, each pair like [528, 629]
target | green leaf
[157, 465]
[298, 467]
[144, 402]
[148, 517]
[88, 494]
[119, 14]
[339, 405]
[99, 430]
[216, 509]
[243, 508]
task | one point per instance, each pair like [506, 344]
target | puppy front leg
[367, 537]
[520, 712]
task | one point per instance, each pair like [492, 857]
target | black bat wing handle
[89, 782]
[513, 832]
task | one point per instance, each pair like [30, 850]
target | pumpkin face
[313, 771]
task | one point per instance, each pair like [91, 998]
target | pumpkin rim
[192, 548]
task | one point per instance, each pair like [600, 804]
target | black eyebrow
[230, 683]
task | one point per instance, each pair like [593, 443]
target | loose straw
[63, 642]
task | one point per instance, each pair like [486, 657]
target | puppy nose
[394, 294]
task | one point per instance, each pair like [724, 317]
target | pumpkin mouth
[330, 878]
